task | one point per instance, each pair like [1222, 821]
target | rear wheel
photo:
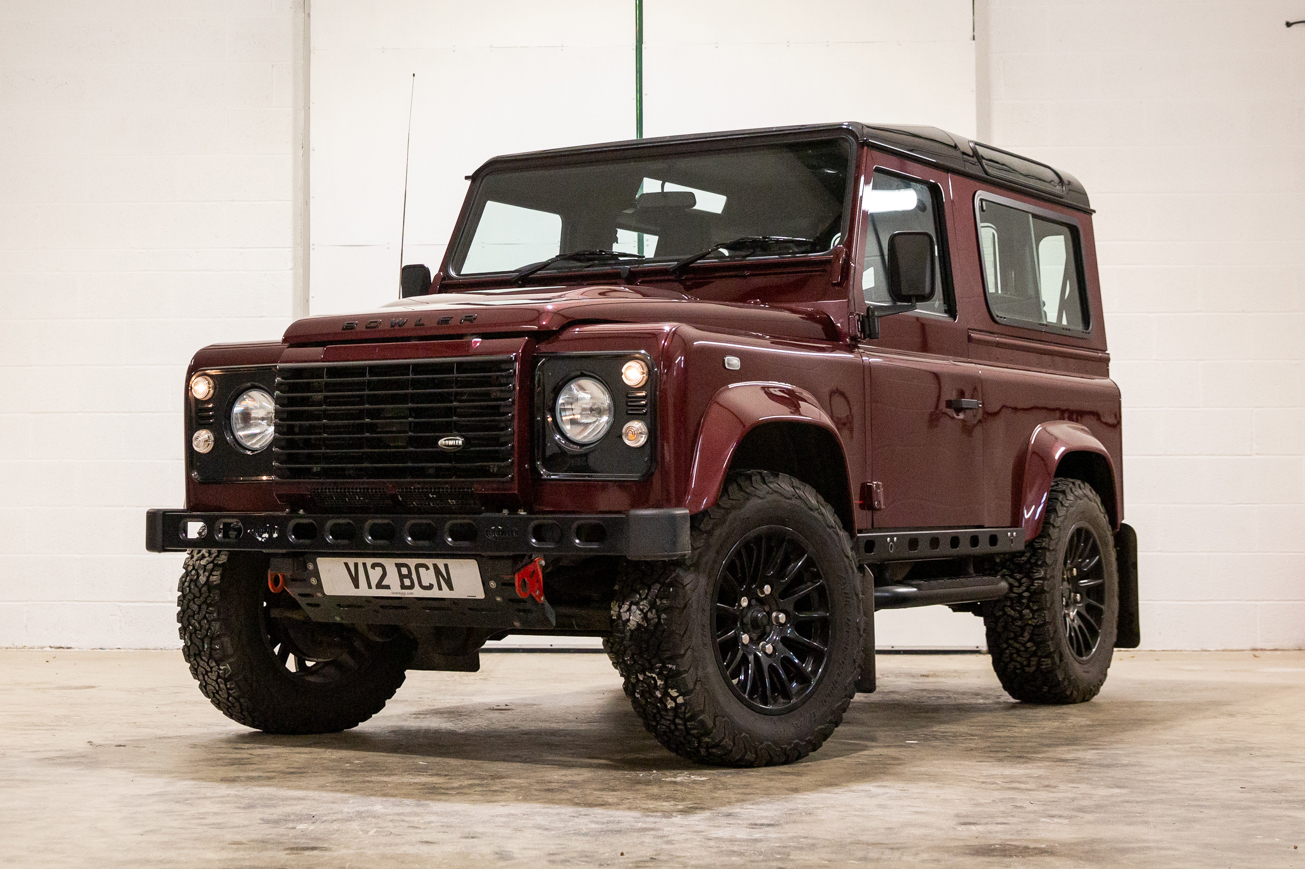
[748, 654]
[264, 665]
[1052, 636]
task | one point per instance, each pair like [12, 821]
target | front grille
[385, 421]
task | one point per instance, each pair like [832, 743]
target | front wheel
[264, 665]
[1052, 636]
[749, 653]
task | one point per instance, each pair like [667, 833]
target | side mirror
[910, 267]
[414, 280]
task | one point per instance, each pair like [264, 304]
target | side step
[920, 544]
[925, 592]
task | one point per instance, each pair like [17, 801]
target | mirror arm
[870, 322]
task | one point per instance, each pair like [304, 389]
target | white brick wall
[1186, 122]
[145, 210]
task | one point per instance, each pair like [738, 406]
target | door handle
[960, 404]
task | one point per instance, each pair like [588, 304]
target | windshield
[658, 208]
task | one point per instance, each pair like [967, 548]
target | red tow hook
[530, 580]
[275, 582]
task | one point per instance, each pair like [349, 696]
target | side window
[896, 204]
[509, 235]
[1030, 268]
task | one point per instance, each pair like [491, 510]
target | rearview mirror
[414, 280]
[910, 267]
[675, 199]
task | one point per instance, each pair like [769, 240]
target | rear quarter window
[1032, 266]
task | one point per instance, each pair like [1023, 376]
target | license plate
[401, 577]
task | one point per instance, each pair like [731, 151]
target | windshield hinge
[838, 266]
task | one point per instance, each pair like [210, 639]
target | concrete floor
[114, 759]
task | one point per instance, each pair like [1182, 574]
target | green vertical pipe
[638, 69]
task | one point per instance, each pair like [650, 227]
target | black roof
[928, 144]
[985, 162]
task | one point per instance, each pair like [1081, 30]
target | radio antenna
[403, 221]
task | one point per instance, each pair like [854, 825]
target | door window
[1030, 269]
[896, 204]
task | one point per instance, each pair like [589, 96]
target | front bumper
[641, 535]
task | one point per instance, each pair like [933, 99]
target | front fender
[733, 412]
[1049, 444]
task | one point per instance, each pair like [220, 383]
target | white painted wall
[148, 188]
[145, 210]
[1186, 122]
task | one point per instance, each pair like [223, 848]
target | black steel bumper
[642, 535]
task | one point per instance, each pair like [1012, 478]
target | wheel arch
[769, 427]
[1066, 450]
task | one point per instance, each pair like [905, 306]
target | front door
[924, 397]
[926, 441]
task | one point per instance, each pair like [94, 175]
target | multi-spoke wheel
[748, 653]
[772, 620]
[1051, 638]
[265, 666]
[1083, 592]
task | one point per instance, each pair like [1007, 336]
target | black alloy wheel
[1083, 592]
[772, 620]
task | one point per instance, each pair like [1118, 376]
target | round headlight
[584, 410]
[252, 419]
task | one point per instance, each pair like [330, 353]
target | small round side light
[634, 373]
[202, 441]
[634, 433]
[201, 387]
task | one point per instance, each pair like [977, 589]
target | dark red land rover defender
[715, 399]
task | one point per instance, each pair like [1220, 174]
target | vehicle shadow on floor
[587, 749]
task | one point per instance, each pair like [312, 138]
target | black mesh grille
[386, 420]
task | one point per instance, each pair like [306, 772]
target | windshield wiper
[748, 245]
[586, 257]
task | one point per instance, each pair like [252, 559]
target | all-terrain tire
[666, 636]
[1029, 631]
[226, 643]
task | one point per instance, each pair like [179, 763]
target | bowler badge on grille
[451, 444]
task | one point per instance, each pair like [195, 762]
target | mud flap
[866, 684]
[1129, 633]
